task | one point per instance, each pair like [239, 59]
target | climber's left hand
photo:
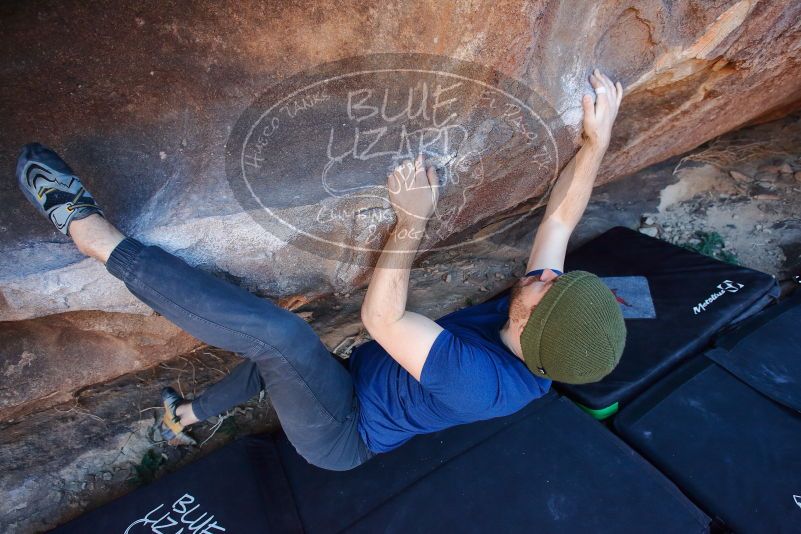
[600, 112]
[413, 192]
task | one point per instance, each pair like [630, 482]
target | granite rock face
[147, 101]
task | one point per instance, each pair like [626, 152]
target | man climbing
[418, 375]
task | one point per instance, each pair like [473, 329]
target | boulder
[164, 110]
[44, 362]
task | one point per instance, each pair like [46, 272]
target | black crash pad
[692, 297]
[765, 352]
[548, 468]
[236, 489]
[732, 450]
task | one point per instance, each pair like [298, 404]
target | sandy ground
[738, 198]
[746, 188]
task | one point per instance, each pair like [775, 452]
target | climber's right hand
[413, 192]
[600, 112]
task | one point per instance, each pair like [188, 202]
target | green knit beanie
[576, 333]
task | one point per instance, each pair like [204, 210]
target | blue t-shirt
[469, 375]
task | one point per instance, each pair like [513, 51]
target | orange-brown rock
[45, 362]
[141, 99]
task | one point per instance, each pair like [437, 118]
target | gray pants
[311, 392]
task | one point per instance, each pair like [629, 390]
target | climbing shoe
[171, 428]
[51, 186]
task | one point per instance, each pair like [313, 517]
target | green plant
[146, 471]
[711, 244]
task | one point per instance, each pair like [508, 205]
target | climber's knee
[284, 332]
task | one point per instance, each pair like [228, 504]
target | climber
[419, 375]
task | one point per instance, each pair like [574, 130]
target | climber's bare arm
[406, 336]
[573, 188]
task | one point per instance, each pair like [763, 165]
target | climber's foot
[51, 186]
[172, 430]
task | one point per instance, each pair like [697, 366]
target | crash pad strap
[602, 413]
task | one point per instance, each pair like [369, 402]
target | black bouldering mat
[239, 488]
[548, 468]
[674, 301]
[765, 352]
[733, 451]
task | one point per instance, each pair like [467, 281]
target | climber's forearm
[566, 206]
[406, 336]
[385, 302]
[572, 190]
